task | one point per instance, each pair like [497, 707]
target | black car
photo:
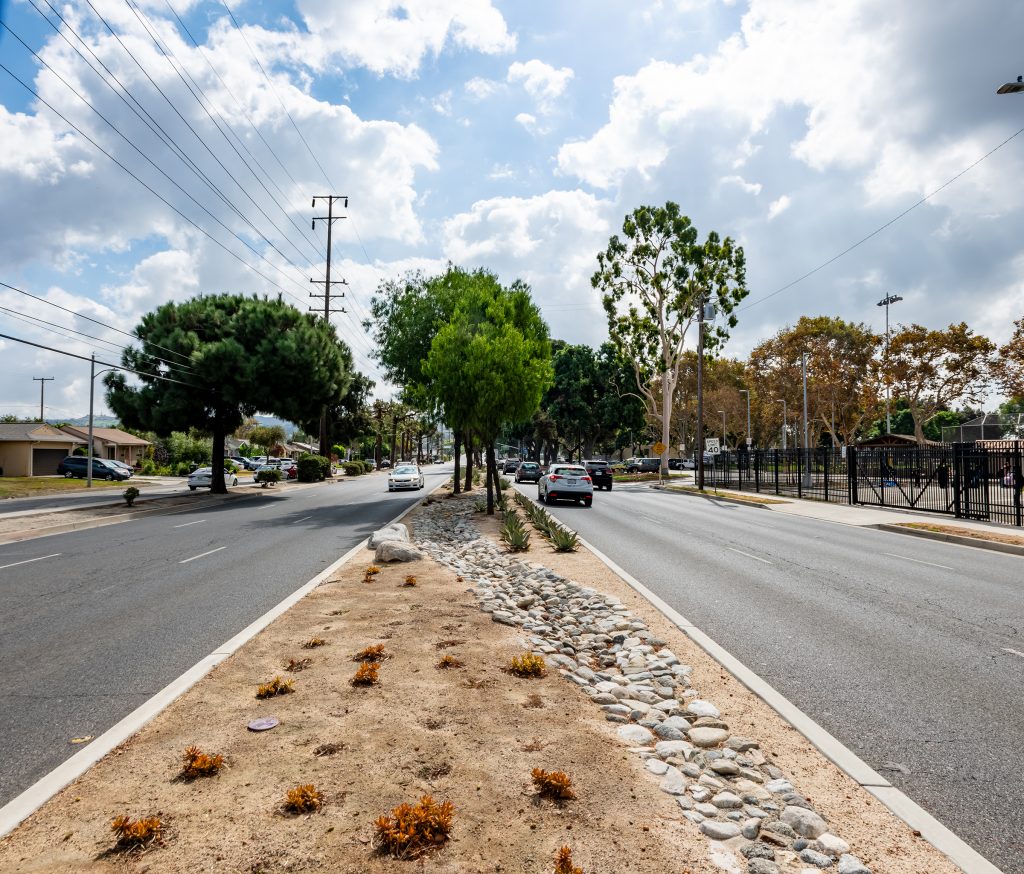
[644, 465]
[78, 466]
[600, 473]
[510, 465]
[528, 471]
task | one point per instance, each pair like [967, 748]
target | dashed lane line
[29, 560]
[748, 555]
[945, 567]
[201, 555]
[186, 524]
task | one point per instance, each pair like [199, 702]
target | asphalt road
[95, 622]
[910, 651]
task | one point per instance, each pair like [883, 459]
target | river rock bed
[721, 782]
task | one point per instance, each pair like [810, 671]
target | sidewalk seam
[22, 806]
[896, 801]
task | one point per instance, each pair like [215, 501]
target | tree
[653, 285]
[237, 355]
[491, 363]
[267, 437]
[931, 370]
[349, 417]
[1008, 369]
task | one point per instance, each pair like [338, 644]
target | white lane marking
[201, 555]
[748, 555]
[29, 560]
[1014, 651]
[186, 524]
[264, 507]
[945, 567]
[303, 519]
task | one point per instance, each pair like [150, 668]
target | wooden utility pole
[330, 218]
[42, 380]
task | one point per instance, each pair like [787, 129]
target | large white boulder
[395, 531]
[396, 550]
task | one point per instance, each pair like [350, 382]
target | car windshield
[406, 469]
[570, 471]
[597, 464]
[529, 465]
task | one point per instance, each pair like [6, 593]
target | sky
[513, 135]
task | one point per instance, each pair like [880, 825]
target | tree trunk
[918, 429]
[469, 461]
[217, 486]
[666, 419]
[489, 455]
[497, 477]
[394, 442]
[456, 482]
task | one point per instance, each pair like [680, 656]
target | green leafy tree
[237, 355]
[653, 282]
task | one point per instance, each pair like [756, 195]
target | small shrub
[309, 470]
[196, 763]
[563, 863]
[277, 686]
[267, 477]
[365, 675]
[148, 467]
[130, 494]
[352, 468]
[373, 653]
[515, 536]
[527, 665]
[479, 506]
[412, 829]
[555, 785]
[410, 581]
[182, 469]
[505, 483]
[370, 573]
[133, 834]
[314, 642]
[295, 665]
[303, 799]
[564, 540]
[449, 661]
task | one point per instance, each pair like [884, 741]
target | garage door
[45, 461]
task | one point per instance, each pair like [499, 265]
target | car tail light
[586, 479]
[554, 477]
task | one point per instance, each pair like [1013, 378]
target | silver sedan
[405, 476]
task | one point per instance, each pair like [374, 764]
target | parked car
[405, 476]
[509, 465]
[78, 466]
[243, 463]
[600, 473]
[565, 482]
[203, 478]
[643, 465]
[385, 463]
[289, 468]
[528, 472]
[121, 465]
[687, 464]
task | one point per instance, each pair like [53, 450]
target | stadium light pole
[785, 421]
[1012, 87]
[884, 302]
[744, 391]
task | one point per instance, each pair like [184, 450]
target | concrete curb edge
[35, 796]
[915, 816]
[959, 540]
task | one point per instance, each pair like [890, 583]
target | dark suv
[510, 465]
[78, 466]
[528, 471]
[600, 473]
[644, 465]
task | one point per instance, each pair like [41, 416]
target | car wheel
[587, 502]
[191, 488]
[68, 474]
[234, 480]
[108, 477]
[609, 486]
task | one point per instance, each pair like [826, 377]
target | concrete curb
[960, 540]
[933, 831]
[728, 499]
[28, 802]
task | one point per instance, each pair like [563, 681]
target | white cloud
[541, 81]
[779, 206]
[392, 37]
[528, 121]
[750, 187]
[480, 89]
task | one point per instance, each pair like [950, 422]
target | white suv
[566, 482]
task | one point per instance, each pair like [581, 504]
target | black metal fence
[964, 480]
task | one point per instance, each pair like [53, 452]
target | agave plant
[563, 539]
[516, 536]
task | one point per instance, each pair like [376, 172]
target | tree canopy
[211, 361]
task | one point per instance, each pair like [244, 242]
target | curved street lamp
[92, 386]
[1012, 87]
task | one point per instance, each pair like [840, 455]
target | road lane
[904, 658]
[91, 633]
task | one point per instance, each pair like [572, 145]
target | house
[112, 443]
[33, 448]
[295, 449]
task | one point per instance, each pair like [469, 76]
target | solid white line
[186, 524]
[748, 555]
[23, 806]
[30, 560]
[303, 519]
[1014, 651]
[945, 567]
[837, 752]
[201, 555]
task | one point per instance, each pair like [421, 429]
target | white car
[405, 476]
[203, 478]
[565, 482]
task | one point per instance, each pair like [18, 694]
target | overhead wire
[53, 327]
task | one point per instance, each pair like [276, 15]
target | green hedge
[352, 468]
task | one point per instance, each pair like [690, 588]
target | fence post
[800, 472]
[828, 458]
[851, 475]
[775, 457]
[958, 479]
[1015, 479]
[757, 470]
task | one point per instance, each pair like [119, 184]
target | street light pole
[723, 427]
[785, 420]
[744, 391]
[807, 452]
[884, 302]
[92, 384]
[700, 394]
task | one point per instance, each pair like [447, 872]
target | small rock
[742, 744]
[778, 785]
[674, 783]
[725, 766]
[818, 860]
[804, 822]
[719, 831]
[707, 810]
[762, 866]
[751, 828]
[668, 748]
[727, 801]
[397, 531]
[636, 735]
[703, 708]
[656, 766]
[667, 732]
[852, 865]
[757, 851]
[707, 737]
[831, 845]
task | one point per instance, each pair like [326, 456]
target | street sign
[712, 445]
[682, 447]
[750, 442]
[659, 447]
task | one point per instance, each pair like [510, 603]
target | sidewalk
[865, 517]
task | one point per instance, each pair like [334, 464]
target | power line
[878, 230]
[54, 328]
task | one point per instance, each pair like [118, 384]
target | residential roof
[108, 435]
[34, 431]
[895, 440]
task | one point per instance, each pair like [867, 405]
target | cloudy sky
[508, 134]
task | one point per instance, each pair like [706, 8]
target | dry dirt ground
[1013, 539]
[469, 735]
